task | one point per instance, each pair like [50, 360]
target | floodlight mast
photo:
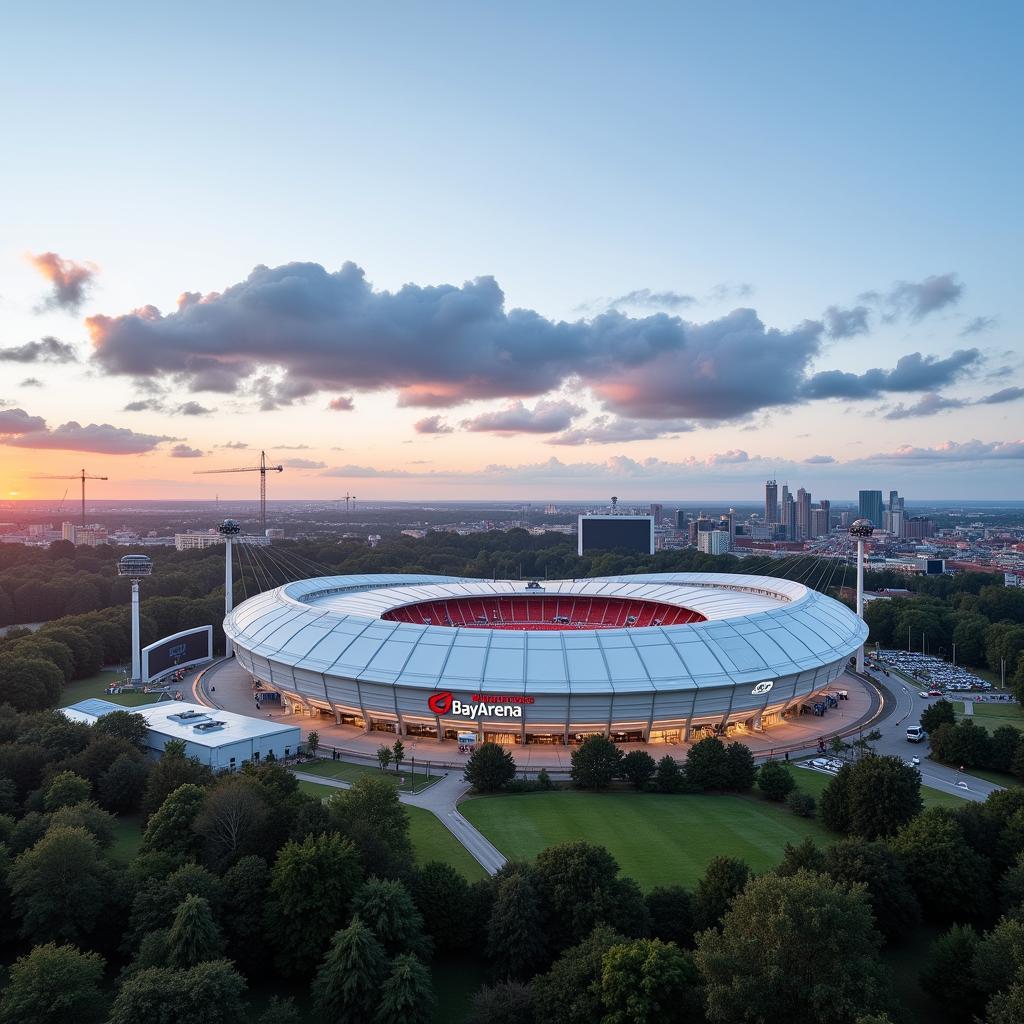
[135, 568]
[229, 530]
[860, 531]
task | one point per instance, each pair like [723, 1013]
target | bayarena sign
[480, 705]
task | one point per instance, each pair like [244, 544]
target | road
[894, 741]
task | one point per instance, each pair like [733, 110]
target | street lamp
[229, 530]
[860, 531]
[135, 568]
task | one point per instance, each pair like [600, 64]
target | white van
[916, 733]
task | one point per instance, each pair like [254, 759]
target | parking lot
[934, 672]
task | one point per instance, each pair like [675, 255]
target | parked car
[935, 693]
[923, 693]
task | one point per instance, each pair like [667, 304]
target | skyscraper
[803, 514]
[870, 506]
[771, 503]
[788, 513]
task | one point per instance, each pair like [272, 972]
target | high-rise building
[771, 502]
[918, 527]
[803, 514]
[788, 514]
[826, 506]
[819, 521]
[657, 511]
[870, 506]
[681, 519]
[713, 542]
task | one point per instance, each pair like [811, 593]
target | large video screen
[613, 532]
[182, 649]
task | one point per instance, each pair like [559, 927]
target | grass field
[94, 686]
[658, 840]
[432, 841]
[992, 716]
[127, 838]
[345, 772]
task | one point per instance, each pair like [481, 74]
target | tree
[98, 823]
[489, 768]
[66, 790]
[52, 985]
[999, 957]
[407, 995]
[834, 809]
[801, 804]
[173, 769]
[960, 890]
[969, 637]
[60, 887]
[442, 896]
[1003, 749]
[669, 777]
[347, 985]
[707, 764]
[570, 992]
[157, 899]
[505, 1002]
[311, 890]
[595, 763]
[231, 819]
[126, 725]
[386, 907]
[398, 753]
[371, 816]
[384, 757]
[194, 936]
[671, 912]
[1007, 1007]
[313, 741]
[170, 830]
[739, 768]
[209, 993]
[775, 780]
[793, 950]
[724, 879]
[939, 713]
[964, 743]
[280, 1011]
[29, 684]
[889, 893]
[515, 931]
[1011, 888]
[648, 980]
[245, 886]
[807, 856]
[121, 786]
[950, 957]
[638, 767]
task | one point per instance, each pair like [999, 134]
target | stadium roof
[757, 628]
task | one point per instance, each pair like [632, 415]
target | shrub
[800, 803]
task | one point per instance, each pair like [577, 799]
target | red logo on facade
[440, 703]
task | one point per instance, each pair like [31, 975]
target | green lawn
[127, 838]
[815, 782]
[345, 772]
[432, 841]
[658, 840]
[992, 716]
[80, 689]
[999, 778]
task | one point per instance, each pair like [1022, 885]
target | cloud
[913, 372]
[16, 421]
[616, 430]
[953, 451]
[292, 447]
[183, 451]
[69, 281]
[144, 405]
[303, 464]
[236, 445]
[998, 397]
[343, 403]
[365, 471]
[819, 460]
[730, 292]
[31, 382]
[545, 417]
[46, 350]
[927, 405]
[916, 299]
[846, 323]
[644, 298]
[979, 325]
[103, 438]
[193, 409]
[432, 425]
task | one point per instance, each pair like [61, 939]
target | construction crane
[346, 497]
[82, 475]
[263, 469]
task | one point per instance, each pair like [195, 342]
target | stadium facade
[656, 658]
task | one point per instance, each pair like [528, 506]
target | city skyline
[406, 270]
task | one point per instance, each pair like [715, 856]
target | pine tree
[194, 936]
[347, 985]
[407, 997]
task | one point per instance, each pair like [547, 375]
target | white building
[195, 539]
[713, 542]
[220, 739]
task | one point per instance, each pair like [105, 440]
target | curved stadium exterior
[657, 657]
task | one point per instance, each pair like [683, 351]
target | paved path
[441, 799]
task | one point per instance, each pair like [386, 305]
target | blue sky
[785, 157]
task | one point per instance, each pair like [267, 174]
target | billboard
[608, 533]
[189, 647]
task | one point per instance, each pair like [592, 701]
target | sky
[532, 251]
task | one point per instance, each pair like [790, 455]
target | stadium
[661, 658]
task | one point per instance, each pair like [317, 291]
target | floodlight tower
[135, 568]
[229, 530]
[860, 531]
